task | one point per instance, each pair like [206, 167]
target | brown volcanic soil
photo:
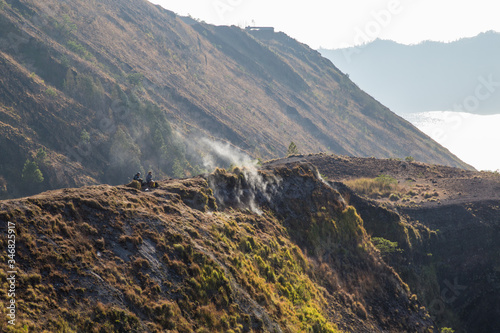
[453, 185]
[454, 248]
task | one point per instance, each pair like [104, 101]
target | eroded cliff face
[445, 222]
[331, 232]
[273, 250]
[464, 264]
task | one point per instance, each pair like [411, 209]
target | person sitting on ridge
[149, 179]
[138, 177]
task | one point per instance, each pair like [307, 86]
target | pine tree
[85, 136]
[41, 156]
[292, 149]
[31, 173]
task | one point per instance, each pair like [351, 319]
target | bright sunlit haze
[337, 24]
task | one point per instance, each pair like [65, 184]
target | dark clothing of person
[138, 178]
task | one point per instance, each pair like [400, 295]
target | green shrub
[292, 149]
[66, 26]
[31, 173]
[394, 197]
[412, 193]
[447, 330]
[79, 49]
[135, 79]
[76, 47]
[85, 136]
[313, 321]
[41, 156]
[385, 246]
[386, 180]
[428, 195]
[51, 92]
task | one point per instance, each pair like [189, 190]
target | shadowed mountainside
[92, 92]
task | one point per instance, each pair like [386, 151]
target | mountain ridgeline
[92, 92]
[431, 76]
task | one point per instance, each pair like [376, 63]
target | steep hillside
[92, 92]
[436, 226]
[276, 250]
[430, 76]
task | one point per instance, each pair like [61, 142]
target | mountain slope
[276, 250]
[430, 76]
[443, 224]
[110, 88]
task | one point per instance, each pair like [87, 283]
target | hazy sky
[339, 23]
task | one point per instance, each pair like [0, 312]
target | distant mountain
[92, 92]
[461, 76]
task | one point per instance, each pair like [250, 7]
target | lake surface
[475, 139]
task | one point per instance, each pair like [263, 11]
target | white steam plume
[214, 151]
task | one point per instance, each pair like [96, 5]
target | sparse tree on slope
[292, 149]
[31, 173]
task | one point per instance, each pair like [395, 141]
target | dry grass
[381, 187]
[112, 267]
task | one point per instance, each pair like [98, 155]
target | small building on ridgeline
[266, 29]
